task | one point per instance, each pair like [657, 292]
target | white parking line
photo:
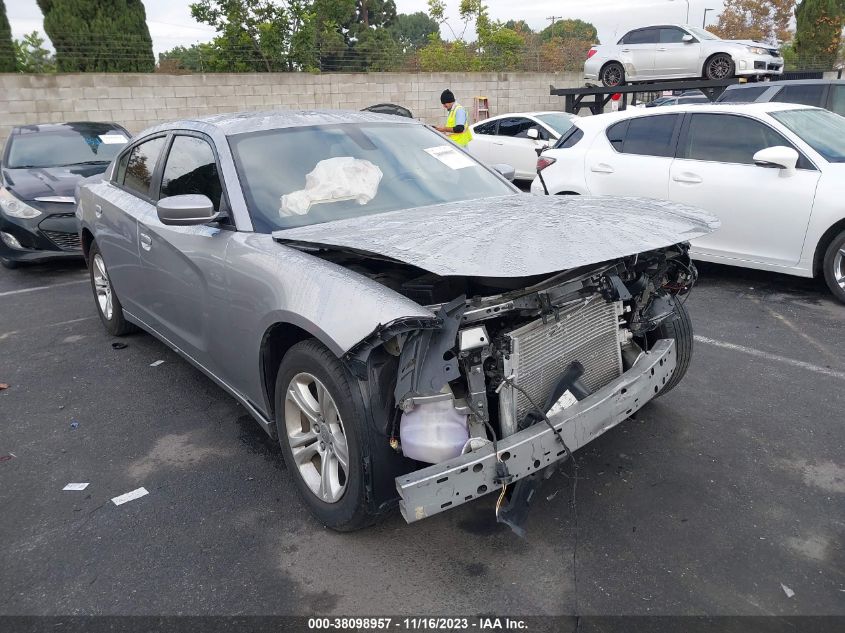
[772, 357]
[6, 335]
[37, 288]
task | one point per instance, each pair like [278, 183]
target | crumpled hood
[39, 182]
[512, 236]
[772, 47]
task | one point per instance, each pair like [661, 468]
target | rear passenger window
[742, 95]
[141, 165]
[616, 135]
[644, 36]
[191, 169]
[651, 135]
[486, 128]
[810, 94]
[837, 100]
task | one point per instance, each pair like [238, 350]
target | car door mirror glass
[533, 134]
[778, 157]
[186, 210]
[505, 170]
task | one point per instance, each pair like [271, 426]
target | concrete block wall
[139, 100]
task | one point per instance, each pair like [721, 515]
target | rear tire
[337, 502]
[833, 266]
[105, 298]
[612, 75]
[679, 328]
[719, 66]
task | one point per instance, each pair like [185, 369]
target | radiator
[541, 352]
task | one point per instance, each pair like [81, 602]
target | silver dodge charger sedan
[410, 326]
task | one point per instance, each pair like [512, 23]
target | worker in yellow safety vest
[457, 121]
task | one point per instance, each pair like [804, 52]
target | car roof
[603, 120]
[790, 82]
[512, 114]
[57, 127]
[245, 122]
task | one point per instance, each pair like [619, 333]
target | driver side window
[192, 169]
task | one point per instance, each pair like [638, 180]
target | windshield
[66, 146]
[559, 122]
[822, 130]
[702, 34]
[309, 175]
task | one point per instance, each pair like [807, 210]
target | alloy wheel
[612, 76]
[316, 437]
[839, 267]
[719, 68]
[102, 286]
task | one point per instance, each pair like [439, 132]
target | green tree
[411, 31]
[99, 35]
[7, 48]
[31, 55]
[571, 30]
[818, 33]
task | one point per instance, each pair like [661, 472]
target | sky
[171, 24]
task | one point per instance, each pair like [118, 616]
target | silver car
[674, 51]
[410, 326]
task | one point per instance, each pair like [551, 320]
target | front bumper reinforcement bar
[437, 488]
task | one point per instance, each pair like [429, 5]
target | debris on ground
[119, 345]
[552, 496]
[3, 386]
[789, 593]
[75, 486]
[6, 458]
[157, 363]
[130, 496]
[74, 424]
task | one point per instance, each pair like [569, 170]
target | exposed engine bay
[458, 369]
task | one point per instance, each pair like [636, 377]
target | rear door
[483, 137]
[116, 212]
[638, 50]
[633, 157]
[674, 57]
[184, 266]
[764, 211]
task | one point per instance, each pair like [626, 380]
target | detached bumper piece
[434, 489]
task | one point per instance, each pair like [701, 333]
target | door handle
[146, 241]
[496, 143]
[626, 50]
[661, 49]
[98, 211]
[690, 179]
[602, 168]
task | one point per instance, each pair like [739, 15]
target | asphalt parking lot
[720, 498]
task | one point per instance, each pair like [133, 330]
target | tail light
[543, 162]
[592, 52]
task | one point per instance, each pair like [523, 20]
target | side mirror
[507, 171]
[687, 39]
[778, 157]
[188, 210]
[533, 134]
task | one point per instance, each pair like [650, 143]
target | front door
[184, 266]
[764, 211]
[674, 57]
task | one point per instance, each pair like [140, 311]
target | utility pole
[554, 18]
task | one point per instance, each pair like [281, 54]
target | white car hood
[517, 235]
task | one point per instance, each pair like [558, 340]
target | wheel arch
[711, 56]
[823, 243]
[614, 61]
[87, 238]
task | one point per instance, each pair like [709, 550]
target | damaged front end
[511, 374]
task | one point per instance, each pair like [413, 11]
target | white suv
[674, 51]
[773, 173]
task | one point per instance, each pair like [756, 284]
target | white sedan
[513, 139]
[773, 173]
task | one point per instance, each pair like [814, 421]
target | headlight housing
[15, 208]
[756, 50]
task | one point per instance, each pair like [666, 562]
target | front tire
[833, 266]
[108, 305]
[678, 327]
[9, 264]
[323, 434]
[612, 75]
[720, 66]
